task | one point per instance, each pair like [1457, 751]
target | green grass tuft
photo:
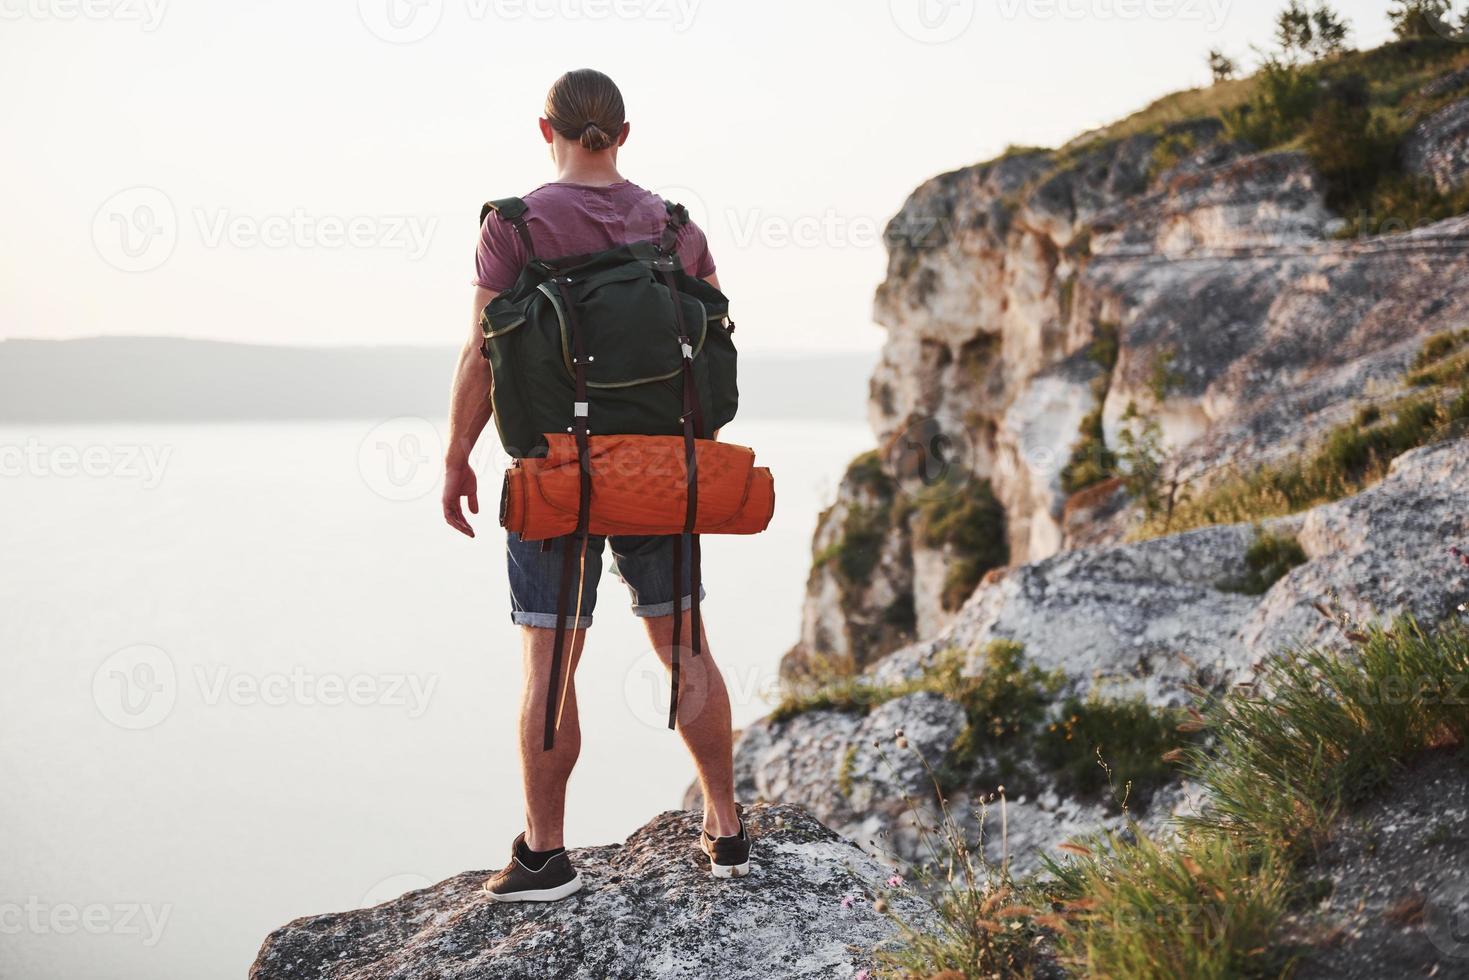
[1350, 459]
[1144, 910]
[1331, 732]
[1319, 731]
[1268, 560]
[1094, 743]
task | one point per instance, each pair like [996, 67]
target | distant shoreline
[164, 379]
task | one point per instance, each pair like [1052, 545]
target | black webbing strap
[572, 542]
[512, 209]
[693, 429]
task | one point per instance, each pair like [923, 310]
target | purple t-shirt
[577, 219]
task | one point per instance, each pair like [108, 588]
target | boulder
[650, 909]
[1438, 147]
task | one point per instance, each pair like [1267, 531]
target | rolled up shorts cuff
[656, 609]
[547, 621]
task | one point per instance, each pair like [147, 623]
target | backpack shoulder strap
[511, 209]
[678, 216]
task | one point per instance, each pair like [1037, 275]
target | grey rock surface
[650, 909]
[1438, 148]
[1397, 882]
[1146, 620]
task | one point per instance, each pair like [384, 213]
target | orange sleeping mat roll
[638, 487]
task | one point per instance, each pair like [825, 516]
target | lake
[251, 675]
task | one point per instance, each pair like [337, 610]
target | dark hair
[586, 106]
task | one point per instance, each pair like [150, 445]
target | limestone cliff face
[1210, 282]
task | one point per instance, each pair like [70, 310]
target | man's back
[577, 219]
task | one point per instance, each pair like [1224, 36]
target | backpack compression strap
[572, 543]
[693, 429]
[512, 209]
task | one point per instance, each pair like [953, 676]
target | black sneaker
[517, 883]
[729, 857]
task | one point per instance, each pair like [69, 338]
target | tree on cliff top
[1416, 19]
[1304, 33]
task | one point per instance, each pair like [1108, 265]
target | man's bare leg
[704, 721]
[545, 773]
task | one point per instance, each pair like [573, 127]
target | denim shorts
[645, 565]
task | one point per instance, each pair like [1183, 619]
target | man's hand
[469, 413]
[459, 482]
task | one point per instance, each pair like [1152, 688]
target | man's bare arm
[469, 413]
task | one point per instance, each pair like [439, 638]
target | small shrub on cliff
[1005, 696]
[1094, 743]
[1004, 702]
[1440, 346]
[971, 524]
[1267, 560]
[986, 929]
[1349, 459]
[1091, 461]
[1443, 360]
[858, 551]
[1281, 105]
[1350, 150]
[1172, 150]
[1154, 475]
[864, 529]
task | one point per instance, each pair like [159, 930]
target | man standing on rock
[589, 208]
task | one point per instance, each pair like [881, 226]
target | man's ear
[547, 133]
[622, 133]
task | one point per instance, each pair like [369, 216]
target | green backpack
[624, 298]
[619, 342]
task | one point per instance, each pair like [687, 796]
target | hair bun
[594, 137]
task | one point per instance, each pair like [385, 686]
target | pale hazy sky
[301, 172]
